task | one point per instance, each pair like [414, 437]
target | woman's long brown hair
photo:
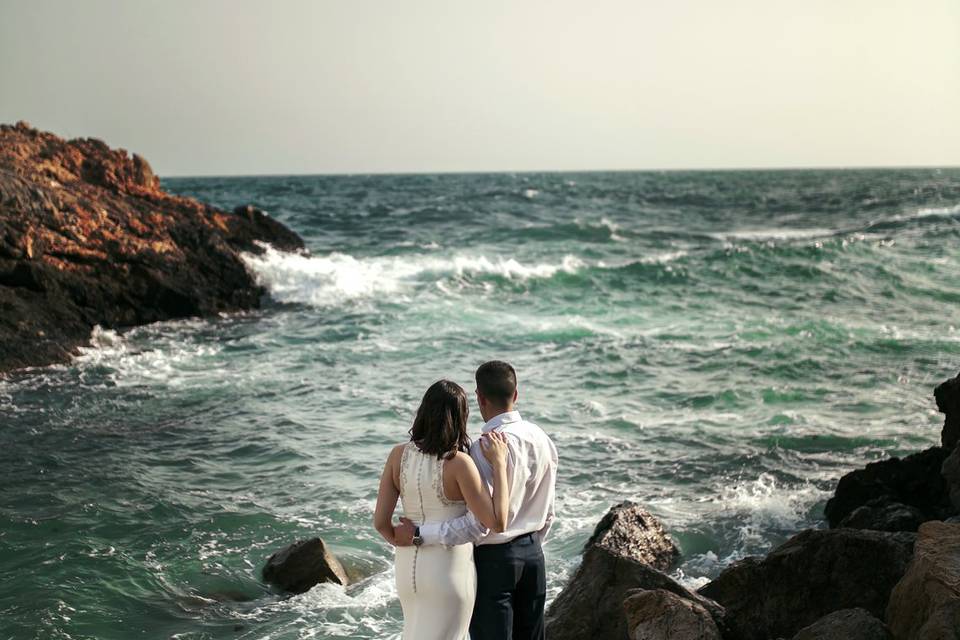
[440, 427]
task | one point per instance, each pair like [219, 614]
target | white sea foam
[774, 234]
[931, 212]
[763, 504]
[167, 360]
[330, 279]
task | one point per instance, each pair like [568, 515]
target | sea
[719, 347]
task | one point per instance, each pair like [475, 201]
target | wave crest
[331, 279]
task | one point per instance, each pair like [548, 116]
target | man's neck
[497, 412]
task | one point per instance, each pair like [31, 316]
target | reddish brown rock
[88, 237]
[925, 604]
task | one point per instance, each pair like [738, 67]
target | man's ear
[516, 393]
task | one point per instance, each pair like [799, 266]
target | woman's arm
[387, 496]
[491, 512]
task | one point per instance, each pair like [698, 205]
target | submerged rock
[663, 615]
[849, 624]
[631, 531]
[300, 566]
[812, 574]
[88, 237]
[925, 604]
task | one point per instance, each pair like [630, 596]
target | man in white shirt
[511, 576]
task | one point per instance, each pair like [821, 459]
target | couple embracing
[468, 552]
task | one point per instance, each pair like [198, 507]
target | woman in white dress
[437, 480]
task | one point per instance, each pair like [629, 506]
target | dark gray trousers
[511, 590]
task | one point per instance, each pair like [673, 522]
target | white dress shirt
[531, 479]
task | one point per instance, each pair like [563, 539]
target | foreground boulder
[628, 550]
[925, 604]
[591, 605]
[630, 530]
[849, 624]
[302, 565]
[88, 237]
[663, 615]
[913, 481]
[812, 574]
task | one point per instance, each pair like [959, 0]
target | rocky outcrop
[913, 481]
[881, 515]
[663, 615]
[811, 575]
[899, 494]
[631, 531]
[591, 605]
[300, 566]
[849, 624]
[925, 604]
[628, 550]
[947, 395]
[88, 237]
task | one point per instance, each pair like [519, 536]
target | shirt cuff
[430, 533]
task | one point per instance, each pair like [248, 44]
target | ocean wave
[331, 279]
[775, 234]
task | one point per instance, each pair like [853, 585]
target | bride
[438, 480]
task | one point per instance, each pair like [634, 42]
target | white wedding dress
[436, 584]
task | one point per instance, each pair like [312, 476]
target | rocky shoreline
[88, 237]
[888, 568]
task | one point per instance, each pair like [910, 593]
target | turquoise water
[718, 346]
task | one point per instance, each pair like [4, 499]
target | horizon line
[558, 171]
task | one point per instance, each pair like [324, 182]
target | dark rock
[947, 395]
[925, 604]
[880, 515]
[914, 481]
[812, 574]
[88, 237]
[303, 564]
[950, 471]
[591, 605]
[630, 530]
[848, 624]
[663, 615]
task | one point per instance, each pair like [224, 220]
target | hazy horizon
[224, 88]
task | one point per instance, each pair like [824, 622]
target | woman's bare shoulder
[397, 451]
[461, 460]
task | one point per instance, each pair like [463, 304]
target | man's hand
[403, 533]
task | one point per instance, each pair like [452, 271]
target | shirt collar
[500, 420]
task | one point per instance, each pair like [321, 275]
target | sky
[225, 87]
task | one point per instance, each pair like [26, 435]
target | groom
[511, 576]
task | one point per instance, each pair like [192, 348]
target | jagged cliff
[88, 237]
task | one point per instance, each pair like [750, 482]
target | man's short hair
[497, 382]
